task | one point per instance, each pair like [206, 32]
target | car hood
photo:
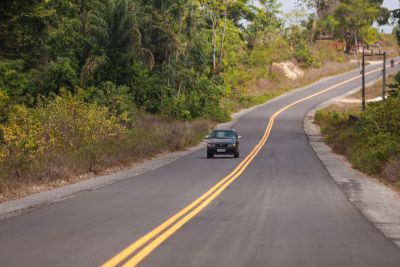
[221, 141]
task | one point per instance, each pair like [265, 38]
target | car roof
[224, 130]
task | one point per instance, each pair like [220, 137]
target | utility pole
[363, 104]
[363, 80]
[384, 77]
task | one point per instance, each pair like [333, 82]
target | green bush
[4, 105]
[195, 96]
[370, 142]
[118, 99]
[266, 53]
[66, 121]
[371, 153]
[305, 56]
[381, 118]
[328, 51]
[395, 86]
[378, 136]
[152, 135]
[66, 40]
[13, 80]
[62, 73]
[338, 130]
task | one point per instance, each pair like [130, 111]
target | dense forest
[84, 72]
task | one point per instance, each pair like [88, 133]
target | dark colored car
[223, 142]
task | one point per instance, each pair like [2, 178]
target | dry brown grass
[374, 90]
[352, 108]
[261, 86]
[346, 106]
[391, 171]
[23, 176]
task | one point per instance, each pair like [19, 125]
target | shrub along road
[276, 206]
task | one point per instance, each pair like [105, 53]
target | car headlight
[231, 145]
[210, 145]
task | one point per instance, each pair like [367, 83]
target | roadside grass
[23, 175]
[374, 90]
[337, 130]
[388, 44]
[370, 140]
[259, 89]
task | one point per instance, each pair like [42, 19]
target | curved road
[279, 208]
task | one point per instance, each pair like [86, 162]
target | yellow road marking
[165, 230]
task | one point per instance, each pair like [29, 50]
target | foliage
[354, 19]
[395, 86]
[196, 97]
[66, 40]
[23, 29]
[162, 57]
[269, 48]
[119, 100]
[370, 142]
[350, 20]
[265, 20]
[62, 73]
[382, 118]
[337, 130]
[63, 122]
[396, 19]
[369, 35]
[13, 81]
[77, 75]
[114, 38]
[4, 104]
[151, 137]
[235, 52]
[304, 54]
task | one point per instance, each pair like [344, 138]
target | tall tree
[321, 9]
[213, 9]
[353, 16]
[23, 29]
[396, 19]
[266, 19]
[115, 39]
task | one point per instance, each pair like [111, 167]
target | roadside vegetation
[369, 139]
[86, 85]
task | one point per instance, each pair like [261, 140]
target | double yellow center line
[140, 249]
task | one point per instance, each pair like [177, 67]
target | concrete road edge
[35, 201]
[379, 203]
[13, 208]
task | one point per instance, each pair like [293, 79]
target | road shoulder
[35, 201]
[379, 203]
[13, 208]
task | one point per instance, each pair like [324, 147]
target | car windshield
[223, 134]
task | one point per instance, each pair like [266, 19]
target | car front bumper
[221, 150]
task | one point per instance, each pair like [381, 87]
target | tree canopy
[166, 57]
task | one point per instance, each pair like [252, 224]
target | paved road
[283, 210]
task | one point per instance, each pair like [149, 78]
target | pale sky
[289, 5]
[390, 4]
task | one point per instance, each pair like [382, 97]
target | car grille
[221, 145]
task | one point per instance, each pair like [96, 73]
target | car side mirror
[239, 137]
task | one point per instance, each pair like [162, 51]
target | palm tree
[113, 33]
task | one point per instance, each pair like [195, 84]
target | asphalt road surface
[279, 208]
